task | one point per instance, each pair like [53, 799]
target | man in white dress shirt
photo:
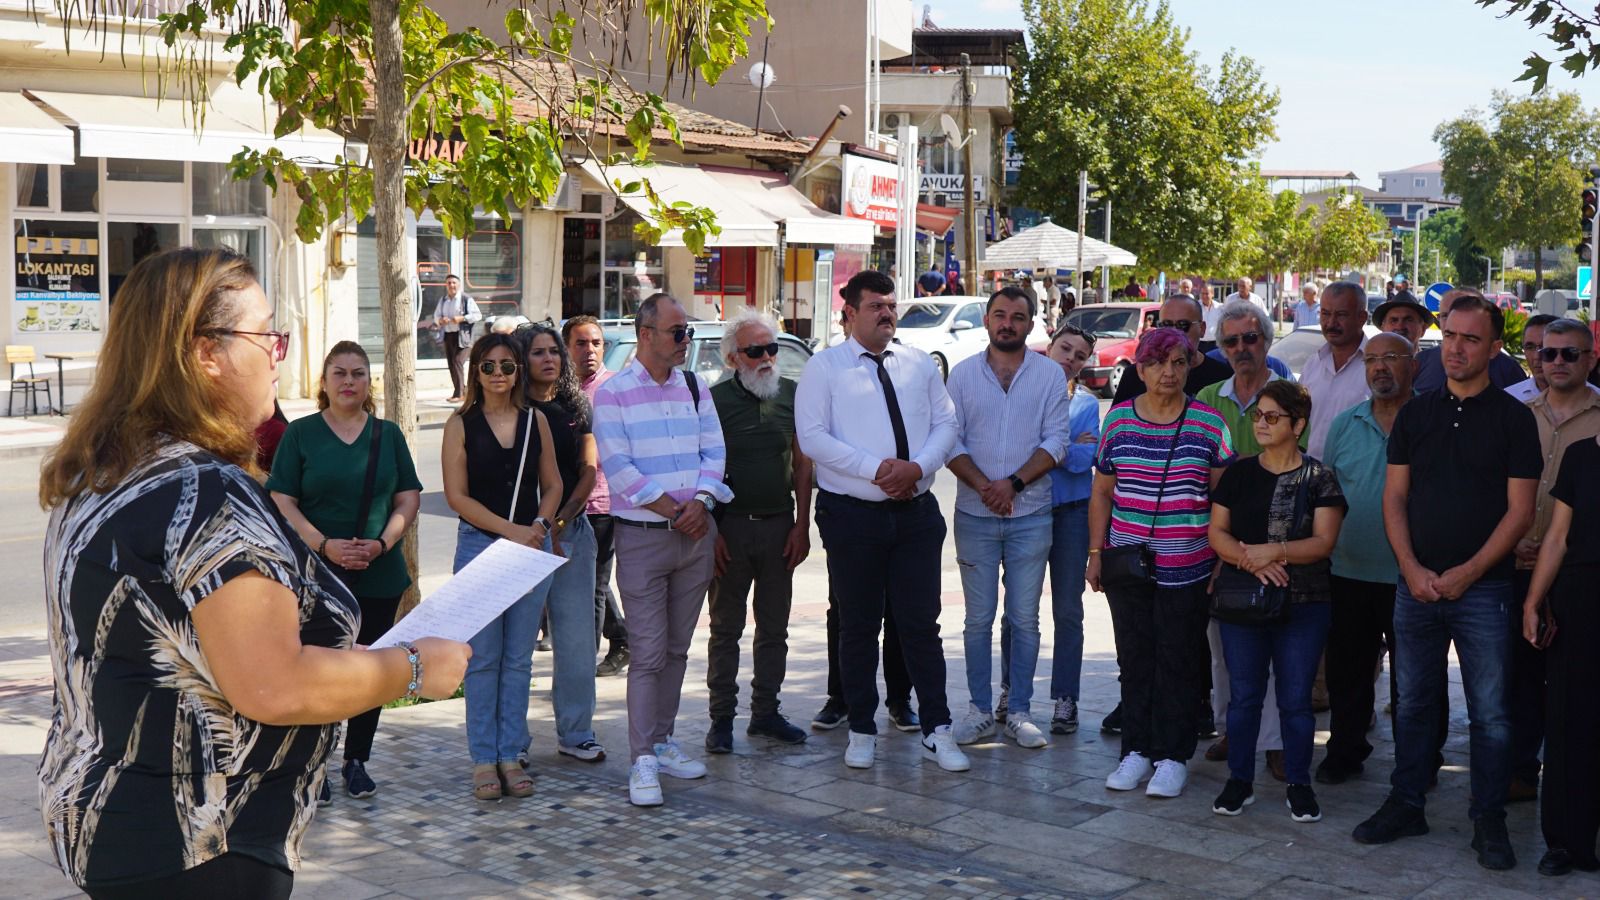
[1244, 289]
[877, 423]
[1335, 375]
[454, 316]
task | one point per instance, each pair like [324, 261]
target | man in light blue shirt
[1011, 420]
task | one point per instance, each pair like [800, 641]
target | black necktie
[902, 446]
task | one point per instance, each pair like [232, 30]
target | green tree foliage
[1572, 31]
[1460, 258]
[1283, 237]
[1110, 87]
[1519, 172]
[1344, 233]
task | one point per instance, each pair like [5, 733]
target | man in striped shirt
[662, 452]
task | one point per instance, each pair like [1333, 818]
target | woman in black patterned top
[201, 651]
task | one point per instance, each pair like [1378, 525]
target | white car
[950, 329]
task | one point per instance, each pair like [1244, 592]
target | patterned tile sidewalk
[772, 821]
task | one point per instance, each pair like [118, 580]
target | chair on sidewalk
[30, 386]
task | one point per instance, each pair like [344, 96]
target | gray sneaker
[1065, 719]
[974, 727]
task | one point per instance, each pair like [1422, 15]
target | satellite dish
[761, 75]
[951, 129]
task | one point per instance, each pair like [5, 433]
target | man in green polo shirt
[764, 534]
[1244, 335]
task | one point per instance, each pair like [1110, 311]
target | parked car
[1116, 327]
[1297, 346]
[705, 353]
[950, 329]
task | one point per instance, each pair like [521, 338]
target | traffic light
[1397, 247]
[1590, 204]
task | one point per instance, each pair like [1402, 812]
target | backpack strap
[694, 387]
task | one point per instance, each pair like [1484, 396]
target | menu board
[57, 278]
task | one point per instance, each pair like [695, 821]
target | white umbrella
[1049, 246]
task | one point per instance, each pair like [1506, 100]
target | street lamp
[1488, 275]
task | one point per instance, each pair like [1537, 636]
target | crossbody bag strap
[365, 508]
[522, 464]
[1167, 467]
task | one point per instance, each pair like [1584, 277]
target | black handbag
[1240, 598]
[1134, 565]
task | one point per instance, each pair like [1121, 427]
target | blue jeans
[1290, 649]
[1422, 636]
[571, 604]
[501, 668]
[1069, 557]
[983, 545]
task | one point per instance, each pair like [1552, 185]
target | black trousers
[896, 680]
[608, 620]
[1362, 628]
[880, 557]
[453, 360]
[377, 617]
[1527, 689]
[755, 557]
[1569, 799]
[229, 875]
[1159, 632]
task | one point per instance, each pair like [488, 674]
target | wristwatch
[709, 501]
[1017, 484]
[543, 521]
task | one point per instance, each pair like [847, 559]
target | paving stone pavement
[772, 821]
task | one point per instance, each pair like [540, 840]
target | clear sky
[1362, 83]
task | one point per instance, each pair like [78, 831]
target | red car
[1117, 327]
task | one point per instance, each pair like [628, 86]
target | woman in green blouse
[319, 481]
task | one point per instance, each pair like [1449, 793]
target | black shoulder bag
[364, 508]
[1240, 598]
[1134, 565]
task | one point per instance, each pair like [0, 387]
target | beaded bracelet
[412, 657]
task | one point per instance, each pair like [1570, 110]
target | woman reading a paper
[501, 479]
[345, 480]
[201, 651]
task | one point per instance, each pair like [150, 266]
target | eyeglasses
[1387, 359]
[1567, 354]
[507, 367]
[1249, 337]
[1180, 324]
[1273, 418]
[280, 341]
[679, 334]
[757, 351]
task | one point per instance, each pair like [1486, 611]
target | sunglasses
[1069, 328]
[679, 335]
[1180, 324]
[757, 351]
[1273, 418]
[1567, 354]
[507, 367]
[280, 341]
[1249, 337]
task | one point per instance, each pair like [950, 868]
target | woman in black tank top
[487, 443]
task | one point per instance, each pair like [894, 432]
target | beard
[761, 382]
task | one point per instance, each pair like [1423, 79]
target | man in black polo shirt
[766, 531]
[1183, 312]
[1452, 521]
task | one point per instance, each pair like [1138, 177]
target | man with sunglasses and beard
[768, 533]
[662, 450]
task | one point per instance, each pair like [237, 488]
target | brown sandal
[486, 782]
[516, 782]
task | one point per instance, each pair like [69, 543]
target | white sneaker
[1169, 779]
[644, 785]
[674, 763]
[941, 747]
[862, 749]
[1020, 728]
[1130, 773]
[975, 727]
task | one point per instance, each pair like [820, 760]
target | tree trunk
[1538, 269]
[387, 145]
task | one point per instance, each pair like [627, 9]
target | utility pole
[1083, 211]
[966, 166]
[1105, 270]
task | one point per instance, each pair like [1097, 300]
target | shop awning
[803, 222]
[29, 135]
[742, 225]
[936, 220]
[146, 128]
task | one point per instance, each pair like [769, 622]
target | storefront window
[580, 266]
[633, 268]
[246, 242]
[58, 277]
[80, 186]
[129, 242]
[723, 277]
[169, 171]
[33, 185]
[218, 194]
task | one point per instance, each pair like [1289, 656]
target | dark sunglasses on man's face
[507, 367]
[679, 335]
[1249, 337]
[1567, 354]
[757, 351]
[1180, 324]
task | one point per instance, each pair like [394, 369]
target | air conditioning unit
[891, 121]
[568, 196]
